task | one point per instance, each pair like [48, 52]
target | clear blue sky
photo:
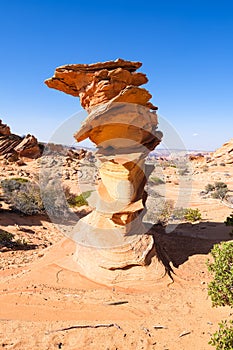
[186, 48]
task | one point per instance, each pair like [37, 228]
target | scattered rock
[13, 146]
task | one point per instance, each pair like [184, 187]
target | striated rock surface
[224, 154]
[28, 147]
[99, 83]
[4, 129]
[14, 146]
[123, 125]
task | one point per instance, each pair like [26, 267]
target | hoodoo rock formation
[112, 241]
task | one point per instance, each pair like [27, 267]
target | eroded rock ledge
[101, 82]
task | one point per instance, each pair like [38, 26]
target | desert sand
[47, 304]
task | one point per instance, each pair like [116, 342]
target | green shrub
[165, 213]
[12, 184]
[187, 214]
[192, 215]
[219, 185]
[229, 220]
[26, 197]
[179, 213]
[78, 201]
[22, 195]
[218, 190]
[223, 338]
[156, 180]
[28, 201]
[209, 188]
[54, 200]
[219, 193]
[6, 238]
[19, 179]
[221, 288]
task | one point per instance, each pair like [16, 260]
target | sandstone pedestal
[113, 244]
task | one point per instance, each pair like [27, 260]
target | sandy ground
[47, 304]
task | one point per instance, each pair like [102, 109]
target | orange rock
[28, 147]
[4, 129]
[122, 125]
[99, 83]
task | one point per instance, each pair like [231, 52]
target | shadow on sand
[187, 240]
[184, 241]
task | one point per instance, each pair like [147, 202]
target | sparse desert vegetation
[24, 245]
[220, 290]
[218, 190]
[223, 339]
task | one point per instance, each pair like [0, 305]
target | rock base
[92, 262]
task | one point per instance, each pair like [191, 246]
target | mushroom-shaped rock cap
[102, 82]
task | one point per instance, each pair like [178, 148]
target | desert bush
[28, 200]
[156, 180]
[218, 190]
[209, 188]
[54, 200]
[205, 168]
[57, 201]
[179, 213]
[229, 222]
[219, 193]
[223, 338]
[12, 184]
[192, 215]
[22, 195]
[187, 214]
[165, 212]
[220, 289]
[6, 238]
[78, 201]
[220, 184]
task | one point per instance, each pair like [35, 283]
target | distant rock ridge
[13, 146]
[224, 154]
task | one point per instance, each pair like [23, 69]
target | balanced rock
[123, 125]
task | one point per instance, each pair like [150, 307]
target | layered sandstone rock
[123, 125]
[223, 154]
[4, 129]
[99, 83]
[13, 146]
[28, 147]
